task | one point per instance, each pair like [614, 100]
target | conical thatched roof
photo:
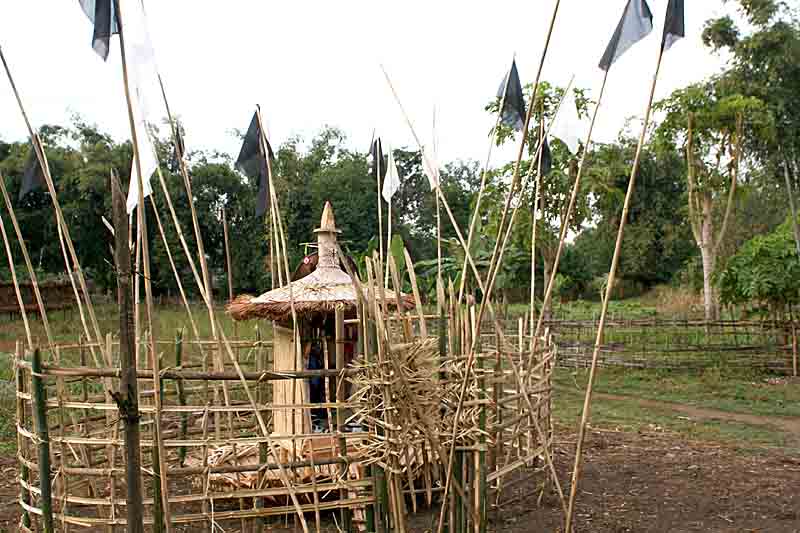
[319, 292]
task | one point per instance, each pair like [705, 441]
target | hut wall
[288, 392]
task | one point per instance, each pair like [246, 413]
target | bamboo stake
[13, 270]
[565, 222]
[534, 216]
[494, 262]
[587, 404]
[40, 407]
[22, 444]
[423, 327]
[128, 395]
[142, 223]
[340, 415]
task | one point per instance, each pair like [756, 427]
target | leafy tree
[709, 124]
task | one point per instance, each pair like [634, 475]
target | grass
[734, 391]
[632, 417]
[747, 393]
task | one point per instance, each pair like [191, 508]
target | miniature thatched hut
[315, 297]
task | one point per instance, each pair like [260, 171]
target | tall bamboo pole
[378, 155]
[587, 403]
[128, 396]
[42, 434]
[148, 289]
[534, 216]
[42, 158]
[494, 262]
[482, 188]
[548, 293]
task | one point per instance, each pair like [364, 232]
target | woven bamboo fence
[381, 457]
[681, 344]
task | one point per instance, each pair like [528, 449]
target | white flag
[391, 182]
[569, 127]
[430, 167]
[145, 90]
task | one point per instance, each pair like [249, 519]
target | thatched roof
[319, 292]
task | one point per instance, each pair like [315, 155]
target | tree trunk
[709, 257]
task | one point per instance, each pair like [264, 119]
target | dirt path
[788, 425]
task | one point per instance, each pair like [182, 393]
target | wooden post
[128, 396]
[40, 416]
[181, 394]
[340, 414]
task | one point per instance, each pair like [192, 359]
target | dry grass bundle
[407, 400]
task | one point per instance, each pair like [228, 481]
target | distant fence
[680, 344]
[56, 295]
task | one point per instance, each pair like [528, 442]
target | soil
[632, 482]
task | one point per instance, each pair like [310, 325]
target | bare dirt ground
[632, 482]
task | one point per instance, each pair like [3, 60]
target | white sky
[311, 63]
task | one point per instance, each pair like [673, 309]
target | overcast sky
[311, 63]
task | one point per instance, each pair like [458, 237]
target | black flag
[378, 161]
[547, 158]
[32, 175]
[510, 93]
[178, 150]
[252, 163]
[674, 25]
[636, 23]
[103, 16]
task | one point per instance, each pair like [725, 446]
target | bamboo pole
[40, 410]
[142, 223]
[13, 270]
[42, 158]
[565, 222]
[587, 404]
[494, 263]
[128, 396]
[340, 415]
[534, 216]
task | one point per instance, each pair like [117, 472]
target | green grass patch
[630, 416]
[733, 391]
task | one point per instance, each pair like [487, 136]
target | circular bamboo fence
[382, 456]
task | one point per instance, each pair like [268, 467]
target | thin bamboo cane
[22, 444]
[587, 404]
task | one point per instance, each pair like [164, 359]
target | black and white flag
[674, 25]
[512, 113]
[32, 175]
[252, 163]
[102, 14]
[636, 23]
[378, 160]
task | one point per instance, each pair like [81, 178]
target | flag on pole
[377, 157]
[636, 23]
[569, 126]
[674, 25]
[179, 148]
[547, 158]
[32, 175]
[145, 91]
[391, 183]
[510, 93]
[102, 14]
[252, 163]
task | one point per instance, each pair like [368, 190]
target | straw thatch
[319, 292]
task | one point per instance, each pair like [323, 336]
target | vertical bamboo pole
[128, 396]
[42, 434]
[181, 395]
[142, 221]
[340, 414]
[481, 488]
[587, 404]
